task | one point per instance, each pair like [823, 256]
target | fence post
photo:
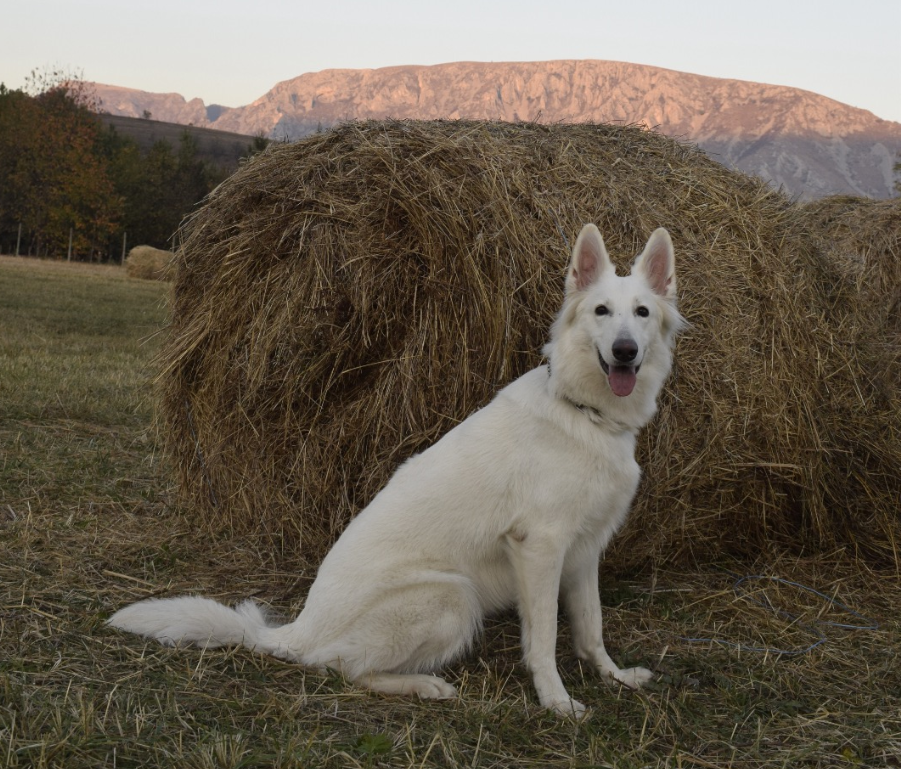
[124, 236]
[69, 257]
[18, 238]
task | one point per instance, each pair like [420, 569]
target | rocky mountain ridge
[806, 143]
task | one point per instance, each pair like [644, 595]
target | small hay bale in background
[341, 302]
[149, 263]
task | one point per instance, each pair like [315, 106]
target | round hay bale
[149, 263]
[863, 237]
[341, 302]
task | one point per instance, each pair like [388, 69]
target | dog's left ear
[657, 263]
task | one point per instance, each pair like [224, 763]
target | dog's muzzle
[621, 375]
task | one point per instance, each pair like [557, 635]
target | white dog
[513, 507]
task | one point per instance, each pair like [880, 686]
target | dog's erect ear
[657, 263]
[589, 261]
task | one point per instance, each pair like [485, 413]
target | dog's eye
[642, 312]
[601, 309]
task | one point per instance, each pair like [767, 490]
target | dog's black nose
[625, 350]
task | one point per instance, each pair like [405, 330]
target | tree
[82, 203]
[56, 184]
[19, 124]
[259, 143]
[79, 92]
[62, 174]
[159, 187]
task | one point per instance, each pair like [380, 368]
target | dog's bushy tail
[196, 620]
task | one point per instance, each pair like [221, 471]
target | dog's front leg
[583, 607]
[537, 562]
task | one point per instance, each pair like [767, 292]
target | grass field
[87, 525]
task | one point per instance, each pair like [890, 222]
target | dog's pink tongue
[622, 380]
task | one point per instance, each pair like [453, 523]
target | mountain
[168, 107]
[808, 144]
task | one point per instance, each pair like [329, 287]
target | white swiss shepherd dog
[512, 508]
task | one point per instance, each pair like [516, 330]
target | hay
[341, 302]
[149, 263]
[864, 236]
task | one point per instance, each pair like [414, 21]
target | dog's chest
[610, 480]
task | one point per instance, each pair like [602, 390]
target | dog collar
[595, 416]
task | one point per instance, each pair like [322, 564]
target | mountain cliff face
[169, 107]
[166, 107]
[808, 144]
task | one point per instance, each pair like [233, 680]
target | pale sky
[231, 53]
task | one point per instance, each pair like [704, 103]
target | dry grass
[341, 302]
[149, 263]
[86, 526]
[76, 694]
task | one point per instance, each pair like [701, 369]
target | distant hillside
[223, 148]
[808, 144]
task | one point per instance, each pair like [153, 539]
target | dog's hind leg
[403, 632]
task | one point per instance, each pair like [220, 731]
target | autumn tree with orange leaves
[65, 175]
[55, 183]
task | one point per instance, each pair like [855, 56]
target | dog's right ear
[589, 261]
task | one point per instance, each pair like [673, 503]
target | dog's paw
[408, 685]
[431, 688]
[567, 708]
[633, 678]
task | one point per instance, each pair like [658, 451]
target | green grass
[86, 526]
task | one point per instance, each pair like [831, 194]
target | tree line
[71, 185]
